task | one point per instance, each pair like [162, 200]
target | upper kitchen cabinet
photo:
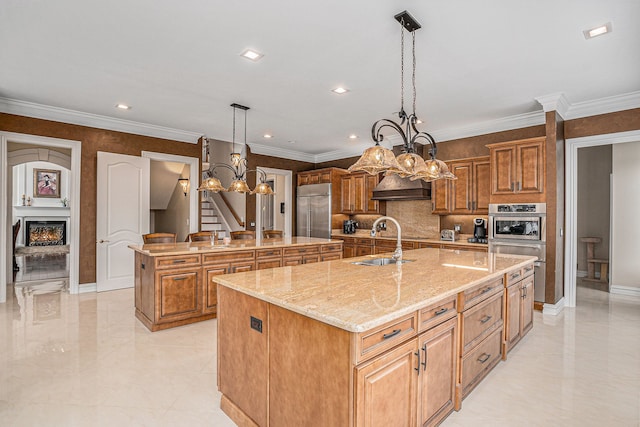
[517, 171]
[356, 191]
[469, 194]
[320, 176]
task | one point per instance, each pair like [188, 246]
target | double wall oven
[520, 229]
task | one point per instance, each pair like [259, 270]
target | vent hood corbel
[392, 187]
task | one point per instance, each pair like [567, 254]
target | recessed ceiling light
[252, 55]
[268, 136]
[123, 106]
[597, 31]
[353, 136]
[340, 90]
[292, 142]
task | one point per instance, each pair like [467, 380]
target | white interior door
[122, 217]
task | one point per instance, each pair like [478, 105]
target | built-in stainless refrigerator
[314, 211]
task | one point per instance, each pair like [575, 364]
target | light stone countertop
[187, 248]
[363, 233]
[357, 298]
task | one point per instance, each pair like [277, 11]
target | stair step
[207, 212]
[210, 227]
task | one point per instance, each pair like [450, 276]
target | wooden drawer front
[348, 240]
[479, 293]
[262, 264]
[513, 277]
[228, 257]
[437, 313]
[363, 241]
[177, 261]
[480, 361]
[364, 250]
[528, 270]
[333, 247]
[422, 245]
[240, 266]
[481, 320]
[179, 296]
[331, 256]
[268, 253]
[291, 261]
[301, 250]
[378, 340]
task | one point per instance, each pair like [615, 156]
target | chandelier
[378, 159]
[238, 167]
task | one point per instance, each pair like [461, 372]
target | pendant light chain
[233, 148]
[402, 66]
[413, 77]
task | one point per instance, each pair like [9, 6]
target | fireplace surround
[45, 233]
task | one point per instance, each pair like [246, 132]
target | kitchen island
[340, 344]
[173, 285]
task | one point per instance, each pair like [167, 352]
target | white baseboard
[83, 288]
[553, 309]
[625, 290]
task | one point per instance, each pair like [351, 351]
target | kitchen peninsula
[341, 344]
[173, 285]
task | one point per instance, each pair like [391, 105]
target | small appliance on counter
[448, 235]
[479, 231]
[349, 226]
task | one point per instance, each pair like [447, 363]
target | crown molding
[57, 114]
[267, 150]
[554, 102]
[610, 104]
[491, 126]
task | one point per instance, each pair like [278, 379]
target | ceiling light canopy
[378, 159]
[238, 166]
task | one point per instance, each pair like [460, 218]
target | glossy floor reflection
[84, 360]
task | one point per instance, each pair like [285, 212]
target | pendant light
[378, 159]
[238, 166]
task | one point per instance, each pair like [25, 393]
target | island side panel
[310, 371]
[243, 355]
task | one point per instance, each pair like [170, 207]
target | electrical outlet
[457, 227]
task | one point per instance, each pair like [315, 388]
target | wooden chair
[272, 234]
[200, 236]
[243, 235]
[159, 238]
[16, 229]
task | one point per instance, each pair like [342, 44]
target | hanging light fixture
[378, 159]
[184, 183]
[238, 166]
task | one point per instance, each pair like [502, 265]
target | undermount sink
[381, 261]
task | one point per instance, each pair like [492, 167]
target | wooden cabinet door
[359, 193]
[386, 389]
[210, 289]
[440, 190]
[180, 295]
[346, 194]
[373, 206]
[503, 170]
[512, 320]
[530, 173]
[461, 188]
[437, 381]
[240, 266]
[526, 311]
[481, 187]
[303, 179]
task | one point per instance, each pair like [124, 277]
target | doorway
[571, 208]
[274, 212]
[6, 205]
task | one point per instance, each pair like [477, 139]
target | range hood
[392, 187]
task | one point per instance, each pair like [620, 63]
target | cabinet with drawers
[300, 255]
[518, 306]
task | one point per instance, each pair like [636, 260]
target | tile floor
[84, 360]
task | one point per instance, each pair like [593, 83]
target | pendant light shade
[375, 160]
[212, 184]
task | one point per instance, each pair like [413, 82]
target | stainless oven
[520, 229]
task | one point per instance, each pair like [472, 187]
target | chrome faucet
[397, 255]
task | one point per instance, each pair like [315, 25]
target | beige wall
[175, 218]
[594, 170]
[625, 268]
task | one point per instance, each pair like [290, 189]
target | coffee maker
[480, 230]
[349, 226]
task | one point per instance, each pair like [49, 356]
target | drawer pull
[179, 278]
[515, 276]
[179, 261]
[424, 363]
[484, 291]
[417, 353]
[441, 311]
[485, 319]
[391, 334]
[484, 357]
[528, 269]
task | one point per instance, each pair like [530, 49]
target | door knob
[103, 241]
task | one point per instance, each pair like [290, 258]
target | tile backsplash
[414, 216]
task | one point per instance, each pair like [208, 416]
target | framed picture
[46, 183]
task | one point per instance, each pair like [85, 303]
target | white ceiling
[480, 65]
